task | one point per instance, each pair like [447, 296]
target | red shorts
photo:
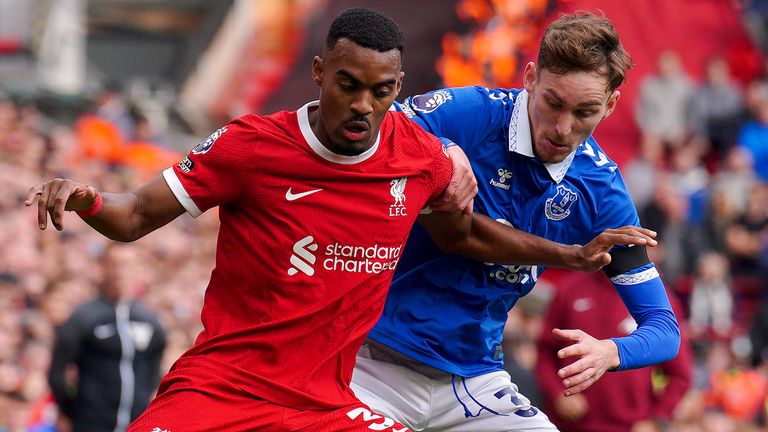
[213, 404]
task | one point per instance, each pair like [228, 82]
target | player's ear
[317, 70]
[611, 104]
[529, 76]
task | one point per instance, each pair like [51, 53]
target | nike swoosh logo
[290, 196]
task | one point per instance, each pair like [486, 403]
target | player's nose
[362, 104]
[564, 124]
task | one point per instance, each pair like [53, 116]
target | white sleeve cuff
[181, 194]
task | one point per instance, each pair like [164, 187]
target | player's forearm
[491, 241]
[118, 218]
[657, 337]
[129, 216]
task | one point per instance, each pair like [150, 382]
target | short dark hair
[368, 29]
[584, 42]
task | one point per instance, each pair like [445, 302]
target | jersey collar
[321, 150]
[520, 138]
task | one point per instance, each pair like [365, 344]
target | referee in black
[115, 345]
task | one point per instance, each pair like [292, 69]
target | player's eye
[552, 104]
[346, 86]
[585, 114]
[382, 93]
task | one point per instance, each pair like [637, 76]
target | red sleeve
[677, 370]
[443, 168]
[214, 172]
[548, 363]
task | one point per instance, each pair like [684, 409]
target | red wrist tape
[95, 208]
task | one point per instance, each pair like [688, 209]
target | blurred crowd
[45, 275]
[502, 32]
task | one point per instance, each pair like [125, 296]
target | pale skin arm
[123, 217]
[483, 239]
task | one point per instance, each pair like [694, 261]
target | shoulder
[245, 135]
[465, 99]
[592, 162]
[410, 142]
[142, 312]
[88, 313]
[399, 125]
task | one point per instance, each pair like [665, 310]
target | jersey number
[602, 159]
[530, 412]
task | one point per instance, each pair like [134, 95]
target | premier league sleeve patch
[428, 102]
[206, 145]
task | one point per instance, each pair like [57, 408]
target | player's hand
[594, 255]
[594, 358]
[57, 195]
[462, 188]
[571, 408]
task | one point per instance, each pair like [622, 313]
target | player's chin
[554, 158]
[349, 147]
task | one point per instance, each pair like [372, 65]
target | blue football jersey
[448, 311]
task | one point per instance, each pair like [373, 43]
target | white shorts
[442, 401]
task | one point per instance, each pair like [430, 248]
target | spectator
[745, 238]
[678, 239]
[640, 175]
[116, 345]
[711, 299]
[588, 301]
[663, 104]
[715, 108]
[733, 389]
[735, 178]
[754, 133]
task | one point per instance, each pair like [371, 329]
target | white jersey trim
[520, 140]
[181, 194]
[322, 151]
[637, 278]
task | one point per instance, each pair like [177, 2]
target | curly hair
[584, 41]
[368, 29]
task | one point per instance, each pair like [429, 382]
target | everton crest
[559, 206]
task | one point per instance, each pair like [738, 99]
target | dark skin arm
[481, 238]
[130, 216]
[123, 217]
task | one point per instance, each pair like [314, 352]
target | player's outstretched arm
[656, 339]
[119, 216]
[484, 239]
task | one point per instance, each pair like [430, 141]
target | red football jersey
[307, 247]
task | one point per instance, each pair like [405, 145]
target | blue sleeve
[464, 115]
[657, 337]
